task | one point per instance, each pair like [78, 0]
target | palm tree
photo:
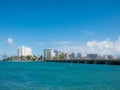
[22, 57]
[62, 56]
[34, 57]
[28, 57]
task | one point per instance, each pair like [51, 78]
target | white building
[67, 56]
[49, 54]
[24, 51]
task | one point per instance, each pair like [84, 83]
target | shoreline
[107, 62]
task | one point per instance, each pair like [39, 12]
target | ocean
[58, 76]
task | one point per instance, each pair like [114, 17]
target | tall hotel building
[24, 51]
[49, 54]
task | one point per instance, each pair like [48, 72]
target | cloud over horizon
[100, 47]
[10, 42]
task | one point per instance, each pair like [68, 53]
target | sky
[86, 26]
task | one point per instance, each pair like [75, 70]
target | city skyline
[72, 26]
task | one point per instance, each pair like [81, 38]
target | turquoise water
[58, 76]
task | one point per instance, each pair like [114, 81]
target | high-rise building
[49, 54]
[72, 56]
[79, 55]
[24, 51]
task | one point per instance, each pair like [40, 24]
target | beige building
[24, 51]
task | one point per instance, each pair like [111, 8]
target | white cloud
[10, 42]
[100, 47]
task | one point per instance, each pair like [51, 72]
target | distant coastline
[108, 62]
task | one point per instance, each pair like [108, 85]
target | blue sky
[57, 24]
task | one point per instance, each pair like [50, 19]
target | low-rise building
[92, 56]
